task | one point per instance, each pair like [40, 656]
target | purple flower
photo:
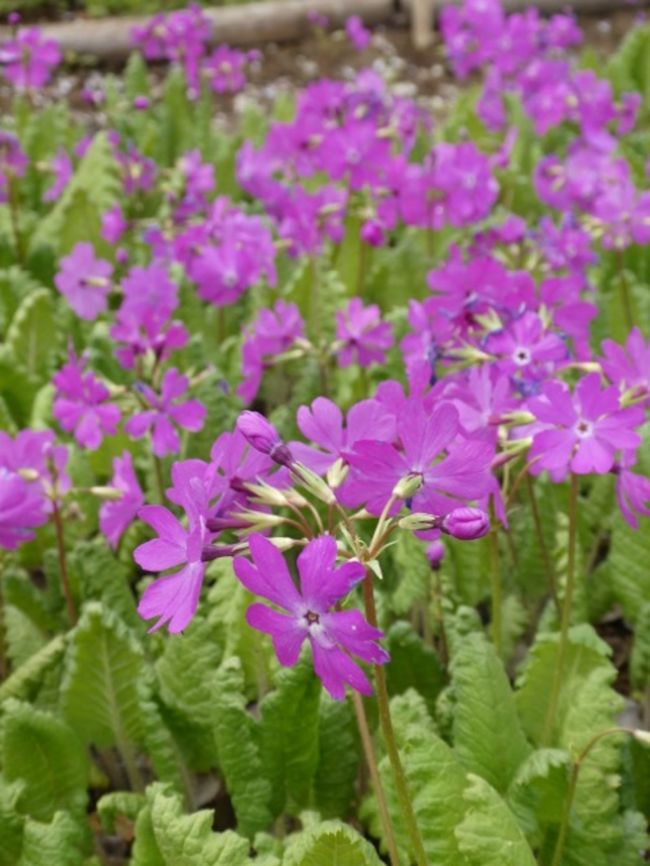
[149, 289]
[139, 331]
[13, 162]
[62, 168]
[628, 366]
[524, 345]
[334, 635]
[116, 516]
[582, 431]
[28, 58]
[34, 453]
[166, 412]
[322, 423]
[81, 405]
[632, 495]
[358, 35]
[224, 69]
[273, 332]
[435, 463]
[85, 282]
[22, 509]
[173, 598]
[113, 225]
[364, 337]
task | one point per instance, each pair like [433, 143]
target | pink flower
[116, 516]
[632, 495]
[322, 423]
[13, 162]
[583, 431]
[28, 58]
[334, 635]
[166, 412]
[62, 169]
[173, 598]
[85, 282]
[364, 337]
[81, 405]
[224, 69]
[113, 224]
[274, 331]
[628, 366]
[22, 509]
[358, 35]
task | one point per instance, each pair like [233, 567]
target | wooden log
[255, 24]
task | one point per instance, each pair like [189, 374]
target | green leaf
[101, 694]
[186, 671]
[489, 834]
[629, 553]
[97, 575]
[289, 736]
[586, 702]
[11, 824]
[32, 335]
[61, 842]
[330, 843]
[640, 660]
[413, 664]
[338, 758]
[76, 216]
[435, 780]
[119, 804]
[48, 758]
[167, 837]
[538, 791]
[412, 572]
[488, 738]
[237, 738]
[24, 681]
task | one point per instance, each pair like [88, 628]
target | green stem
[539, 531]
[565, 621]
[496, 590]
[371, 761]
[624, 292]
[133, 773]
[63, 566]
[388, 732]
[571, 791]
[160, 480]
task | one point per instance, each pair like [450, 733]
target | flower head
[84, 280]
[28, 59]
[334, 635]
[116, 516]
[364, 337]
[81, 405]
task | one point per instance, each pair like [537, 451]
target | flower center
[521, 356]
[583, 429]
[312, 618]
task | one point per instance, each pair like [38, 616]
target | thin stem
[496, 590]
[539, 531]
[133, 773]
[624, 292]
[14, 210]
[371, 761]
[571, 791]
[388, 732]
[63, 565]
[160, 480]
[565, 620]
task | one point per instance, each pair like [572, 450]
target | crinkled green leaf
[489, 834]
[330, 843]
[338, 758]
[32, 335]
[413, 664]
[488, 739]
[48, 758]
[60, 841]
[538, 791]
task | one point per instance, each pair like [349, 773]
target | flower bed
[324, 455]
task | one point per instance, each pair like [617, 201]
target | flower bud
[262, 436]
[642, 736]
[110, 494]
[220, 524]
[28, 474]
[419, 522]
[466, 523]
[313, 483]
[435, 554]
[372, 233]
[337, 473]
[408, 486]
[208, 553]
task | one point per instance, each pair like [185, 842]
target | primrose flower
[322, 424]
[113, 225]
[525, 344]
[84, 281]
[263, 437]
[173, 598]
[334, 635]
[13, 162]
[358, 35]
[364, 337]
[61, 166]
[628, 366]
[224, 69]
[166, 411]
[27, 60]
[21, 509]
[581, 431]
[116, 516]
[81, 405]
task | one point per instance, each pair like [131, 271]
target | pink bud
[435, 554]
[372, 233]
[262, 436]
[466, 523]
